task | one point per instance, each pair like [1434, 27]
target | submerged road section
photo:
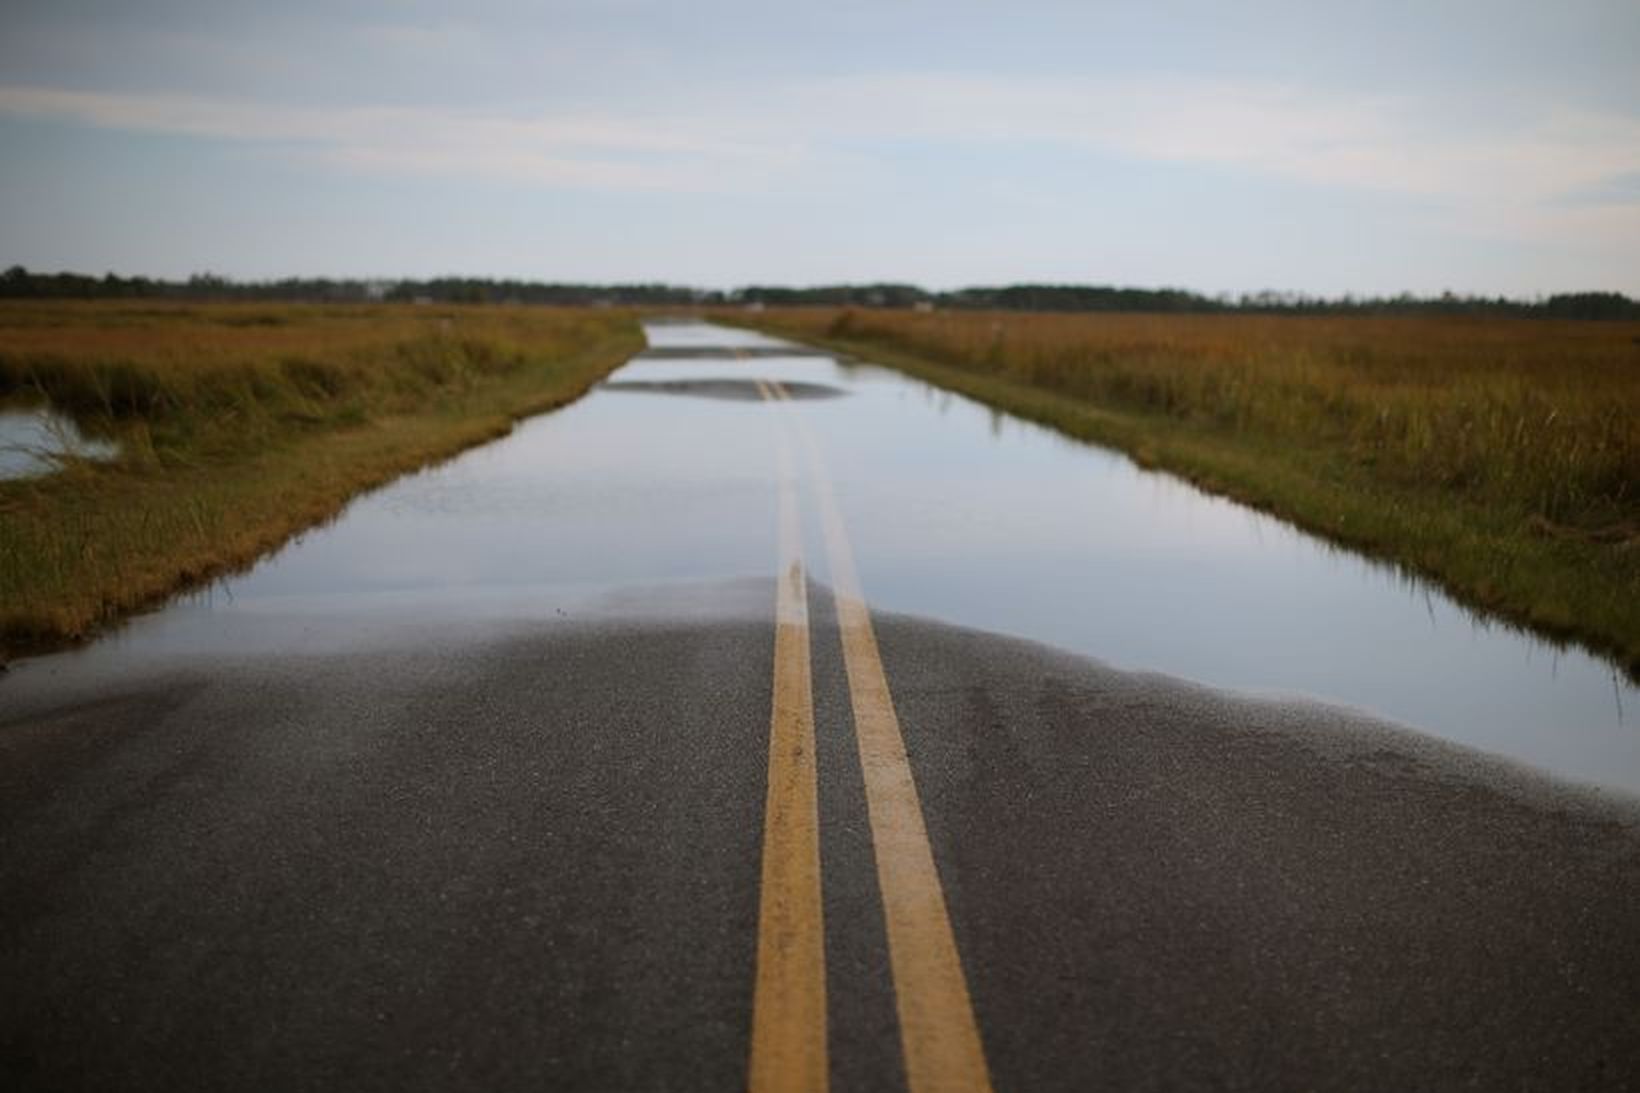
[640, 750]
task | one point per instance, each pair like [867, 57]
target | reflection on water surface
[958, 513]
[35, 441]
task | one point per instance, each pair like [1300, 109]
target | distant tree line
[19, 283]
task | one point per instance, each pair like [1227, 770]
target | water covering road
[959, 513]
[623, 753]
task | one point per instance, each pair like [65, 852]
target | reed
[240, 425]
[1498, 456]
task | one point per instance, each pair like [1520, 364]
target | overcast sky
[1370, 147]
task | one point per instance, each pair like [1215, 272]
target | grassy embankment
[240, 425]
[1499, 457]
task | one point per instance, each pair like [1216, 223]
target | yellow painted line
[938, 1032]
[789, 999]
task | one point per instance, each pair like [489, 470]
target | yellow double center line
[789, 1002]
[938, 1034]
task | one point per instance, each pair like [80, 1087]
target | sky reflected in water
[33, 439]
[956, 513]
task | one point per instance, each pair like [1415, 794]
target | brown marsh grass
[1499, 456]
[240, 425]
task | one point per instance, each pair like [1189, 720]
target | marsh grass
[1499, 457]
[238, 426]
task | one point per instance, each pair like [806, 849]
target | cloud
[1619, 189]
[1501, 177]
[1381, 142]
[585, 151]
[1491, 174]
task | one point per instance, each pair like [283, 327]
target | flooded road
[635, 751]
[662, 479]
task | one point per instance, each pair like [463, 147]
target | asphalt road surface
[750, 831]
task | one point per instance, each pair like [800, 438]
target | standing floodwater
[663, 480]
[34, 441]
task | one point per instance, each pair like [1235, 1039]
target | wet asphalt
[527, 856]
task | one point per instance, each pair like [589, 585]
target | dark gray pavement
[529, 859]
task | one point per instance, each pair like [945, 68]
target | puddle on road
[685, 338]
[739, 389]
[717, 353]
[34, 441]
[957, 513]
